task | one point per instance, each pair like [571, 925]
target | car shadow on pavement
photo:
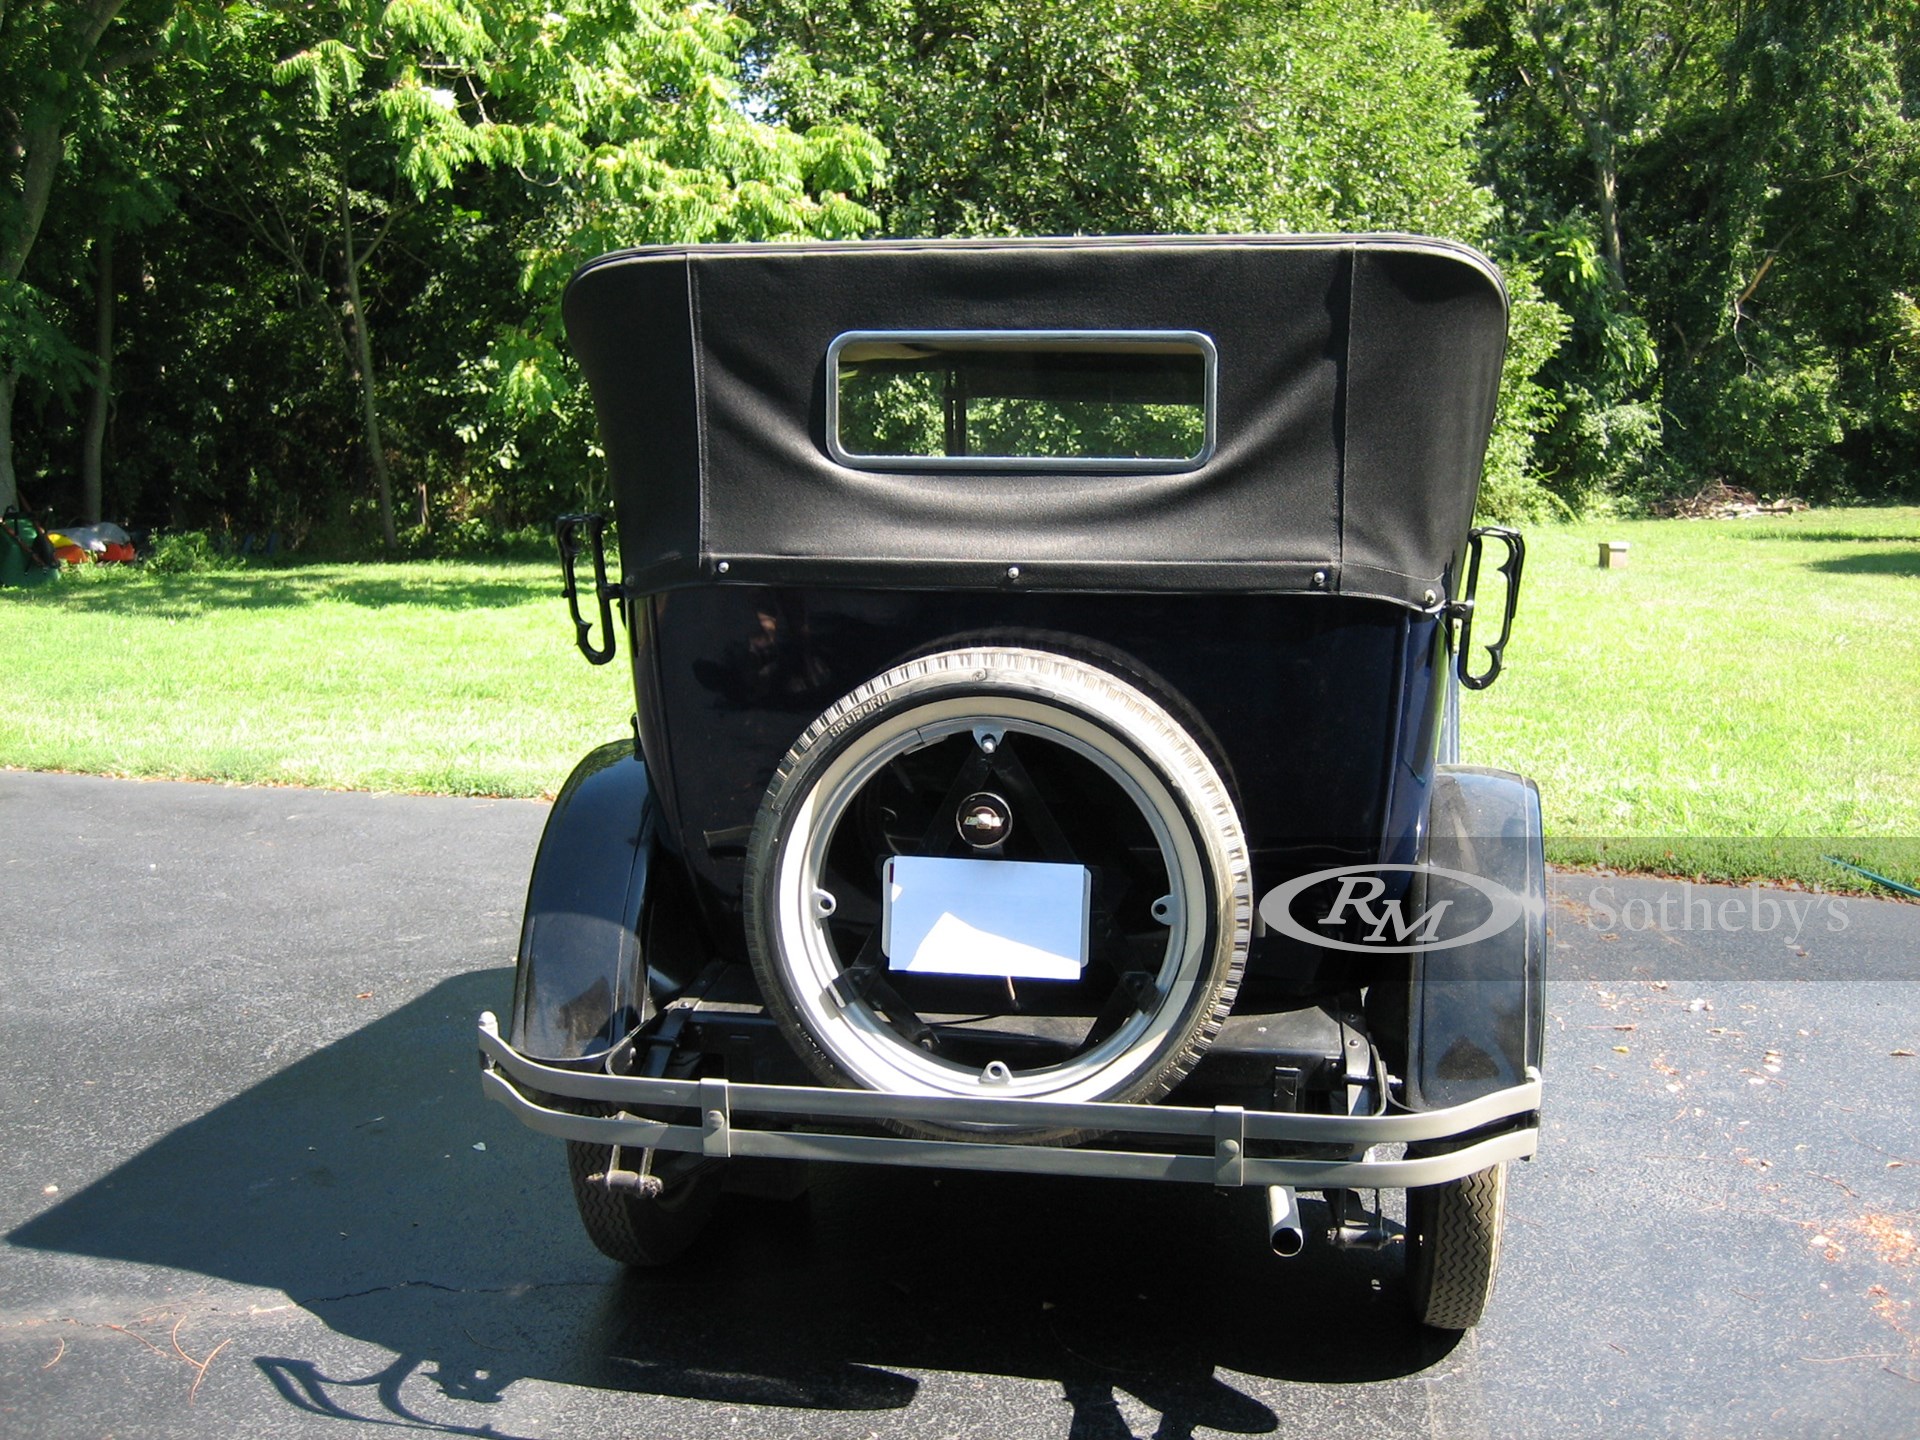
[371, 1184]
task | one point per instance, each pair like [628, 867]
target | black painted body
[1320, 710]
[1286, 598]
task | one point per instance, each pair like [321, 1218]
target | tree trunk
[41, 146]
[1606, 178]
[91, 489]
[1595, 121]
[363, 362]
[9, 487]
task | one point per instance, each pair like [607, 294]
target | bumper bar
[1508, 1119]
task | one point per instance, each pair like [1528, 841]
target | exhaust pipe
[1284, 1231]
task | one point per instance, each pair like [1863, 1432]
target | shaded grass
[455, 678]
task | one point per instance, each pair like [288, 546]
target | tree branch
[386, 224]
[42, 146]
[140, 56]
[97, 21]
[1754, 284]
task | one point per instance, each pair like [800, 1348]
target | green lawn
[459, 678]
[1741, 681]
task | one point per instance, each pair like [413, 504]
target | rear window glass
[986, 400]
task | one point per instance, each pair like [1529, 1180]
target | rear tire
[640, 1230]
[1130, 794]
[1453, 1247]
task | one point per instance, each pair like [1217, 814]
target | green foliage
[1778, 425]
[34, 343]
[344, 227]
[61, 65]
[380, 202]
[1726, 200]
[622, 117]
[1511, 488]
[1822, 241]
[187, 552]
[476, 539]
[1020, 117]
[1605, 428]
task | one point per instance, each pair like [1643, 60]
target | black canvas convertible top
[1350, 391]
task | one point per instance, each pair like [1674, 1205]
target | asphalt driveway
[249, 1186]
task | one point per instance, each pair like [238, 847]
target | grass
[1743, 693]
[453, 678]
[1741, 686]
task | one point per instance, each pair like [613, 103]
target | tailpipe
[1284, 1231]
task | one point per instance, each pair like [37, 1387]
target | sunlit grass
[1740, 680]
[438, 677]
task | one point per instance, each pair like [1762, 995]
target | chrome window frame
[1093, 340]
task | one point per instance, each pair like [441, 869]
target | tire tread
[640, 1231]
[1455, 1228]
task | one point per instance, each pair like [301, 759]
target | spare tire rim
[875, 1053]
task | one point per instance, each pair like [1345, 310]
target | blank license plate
[1013, 918]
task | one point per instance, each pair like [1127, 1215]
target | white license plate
[1013, 918]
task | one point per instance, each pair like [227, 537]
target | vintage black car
[1047, 657]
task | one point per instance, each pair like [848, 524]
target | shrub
[188, 552]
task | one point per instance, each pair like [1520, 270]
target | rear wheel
[638, 1229]
[1054, 761]
[1453, 1247]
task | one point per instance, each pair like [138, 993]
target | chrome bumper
[1496, 1127]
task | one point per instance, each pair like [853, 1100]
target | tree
[1783, 349]
[1572, 89]
[616, 116]
[1601, 73]
[55, 55]
[626, 119]
[1021, 117]
[1723, 197]
[1018, 116]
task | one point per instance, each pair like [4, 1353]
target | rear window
[1021, 399]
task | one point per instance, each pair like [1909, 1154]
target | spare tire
[1094, 772]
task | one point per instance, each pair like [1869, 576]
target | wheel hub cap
[984, 820]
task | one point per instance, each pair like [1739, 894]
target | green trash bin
[19, 565]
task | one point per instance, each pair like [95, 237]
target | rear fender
[1475, 1013]
[581, 985]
